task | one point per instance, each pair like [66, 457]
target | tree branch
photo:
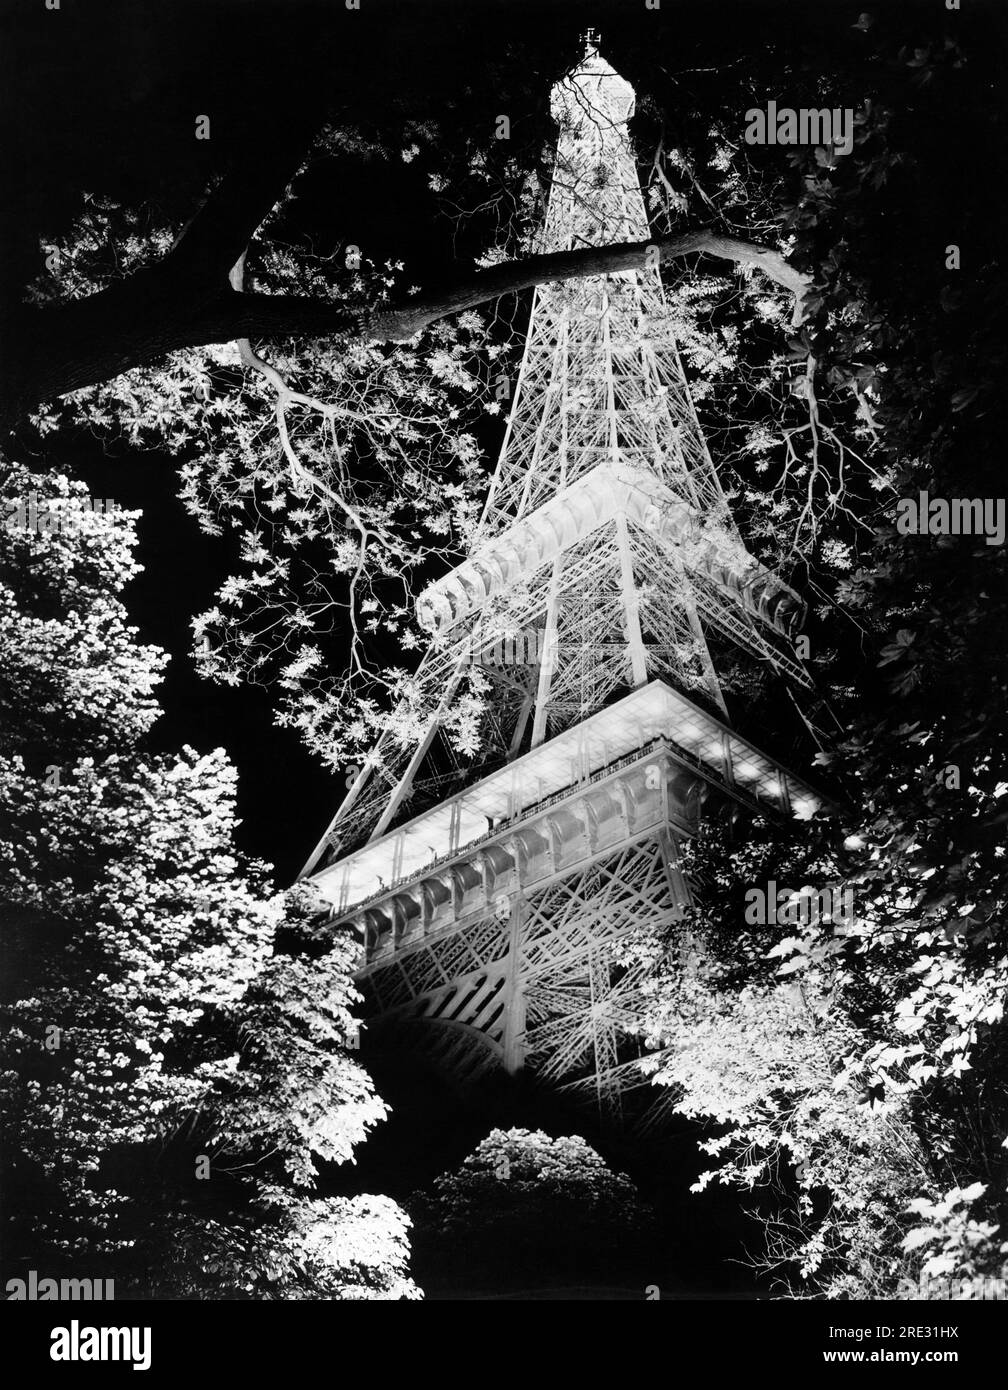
[138, 320]
[213, 239]
[397, 324]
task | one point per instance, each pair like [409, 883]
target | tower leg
[607, 1087]
[513, 1042]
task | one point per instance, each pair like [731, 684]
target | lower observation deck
[652, 759]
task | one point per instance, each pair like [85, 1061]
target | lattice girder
[601, 387]
[575, 1004]
[491, 892]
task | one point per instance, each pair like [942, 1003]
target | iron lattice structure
[491, 894]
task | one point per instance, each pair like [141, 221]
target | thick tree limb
[138, 320]
[212, 240]
[397, 324]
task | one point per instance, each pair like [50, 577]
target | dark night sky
[102, 97]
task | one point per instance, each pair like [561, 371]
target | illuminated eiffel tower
[489, 892]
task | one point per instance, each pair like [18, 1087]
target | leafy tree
[755, 1031]
[525, 1204]
[169, 1076]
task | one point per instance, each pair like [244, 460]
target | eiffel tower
[491, 889]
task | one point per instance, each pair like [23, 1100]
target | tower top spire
[592, 93]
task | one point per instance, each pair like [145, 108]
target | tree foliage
[170, 1078]
[530, 1206]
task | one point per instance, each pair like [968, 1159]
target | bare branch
[399, 324]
